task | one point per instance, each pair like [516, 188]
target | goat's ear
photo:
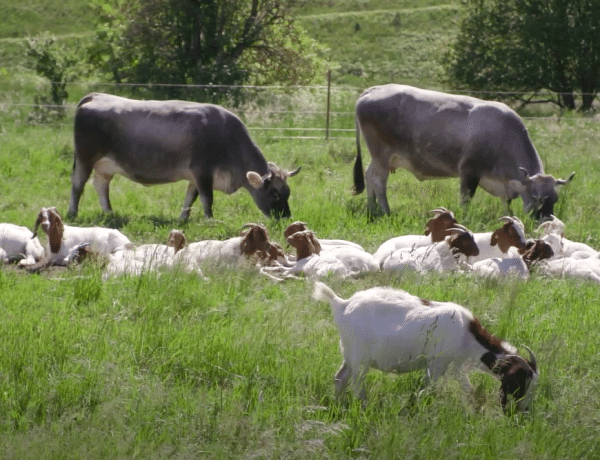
[494, 239]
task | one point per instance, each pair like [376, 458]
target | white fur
[392, 330]
[101, 240]
[18, 244]
[500, 267]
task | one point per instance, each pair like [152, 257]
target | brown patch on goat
[273, 253]
[425, 302]
[305, 242]
[463, 243]
[51, 223]
[294, 227]
[438, 226]
[177, 240]
[535, 251]
[507, 236]
[255, 239]
[485, 338]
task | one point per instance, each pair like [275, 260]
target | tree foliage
[205, 42]
[529, 46]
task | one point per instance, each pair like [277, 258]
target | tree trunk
[568, 100]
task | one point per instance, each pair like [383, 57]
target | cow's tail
[359, 175]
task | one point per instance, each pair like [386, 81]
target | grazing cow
[157, 142]
[437, 135]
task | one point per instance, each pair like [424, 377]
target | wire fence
[301, 112]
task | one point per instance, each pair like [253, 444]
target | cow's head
[539, 192]
[271, 191]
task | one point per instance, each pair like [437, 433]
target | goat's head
[273, 253]
[294, 227]
[552, 225]
[256, 238]
[439, 224]
[52, 225]
[517, 379]
[177, 240]
[461, 241]
[305, 243]
[512, 233]
[536, 250]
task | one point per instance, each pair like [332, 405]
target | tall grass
[172, 365]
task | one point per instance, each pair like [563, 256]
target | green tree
[528, 47]
[207, 42]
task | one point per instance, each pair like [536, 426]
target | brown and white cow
[157, 142]
[437, 135]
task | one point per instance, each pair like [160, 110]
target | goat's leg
[342, 377]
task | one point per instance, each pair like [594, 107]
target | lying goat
[146, 257]
[394, 331]
[64, 240]
[436, 230]
[18, 244]
[309, 260]
[553, 233]
[253, 241]
[443, 256]
[500, 242]
[324, 242]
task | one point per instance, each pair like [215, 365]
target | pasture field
[171, 365]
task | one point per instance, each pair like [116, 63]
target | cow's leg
[468, 184]
[376, 178]
[80, 175]
[101, 183]
[205, 189]
[190, 197]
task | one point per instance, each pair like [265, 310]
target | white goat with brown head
[394, 331]
[451, 254]
[253, 241]
[436, 230]
[500, 242]
[64, 239]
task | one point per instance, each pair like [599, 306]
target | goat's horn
[458, 228]
[532, 360]
[439, 210]
[507, 219]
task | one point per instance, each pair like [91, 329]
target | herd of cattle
[431, 134]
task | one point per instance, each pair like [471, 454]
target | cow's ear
[517, 186]
[255, 179]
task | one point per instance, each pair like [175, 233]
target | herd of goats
[381, 328]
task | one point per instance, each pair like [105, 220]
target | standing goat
[394, 331]
[63, 240]
[19, 244]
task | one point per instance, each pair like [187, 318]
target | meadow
[171, 365]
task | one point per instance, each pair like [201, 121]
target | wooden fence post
[328, 104]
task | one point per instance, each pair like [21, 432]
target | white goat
[436, 230]
[254, 241]
[554, 234]
[64, 240]
[19, 244]
[309, 260]
[146, 257]
[499, 243]
[324, 242]
[394, 331]
[443, 256]
[572, 268]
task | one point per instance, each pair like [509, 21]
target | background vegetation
[174, 366]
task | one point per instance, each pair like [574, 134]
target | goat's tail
[359, 176]
[324, 293]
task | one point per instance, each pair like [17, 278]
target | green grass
[237, 366]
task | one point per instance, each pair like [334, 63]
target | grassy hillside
[233, 365]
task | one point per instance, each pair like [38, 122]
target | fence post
[328, 104]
